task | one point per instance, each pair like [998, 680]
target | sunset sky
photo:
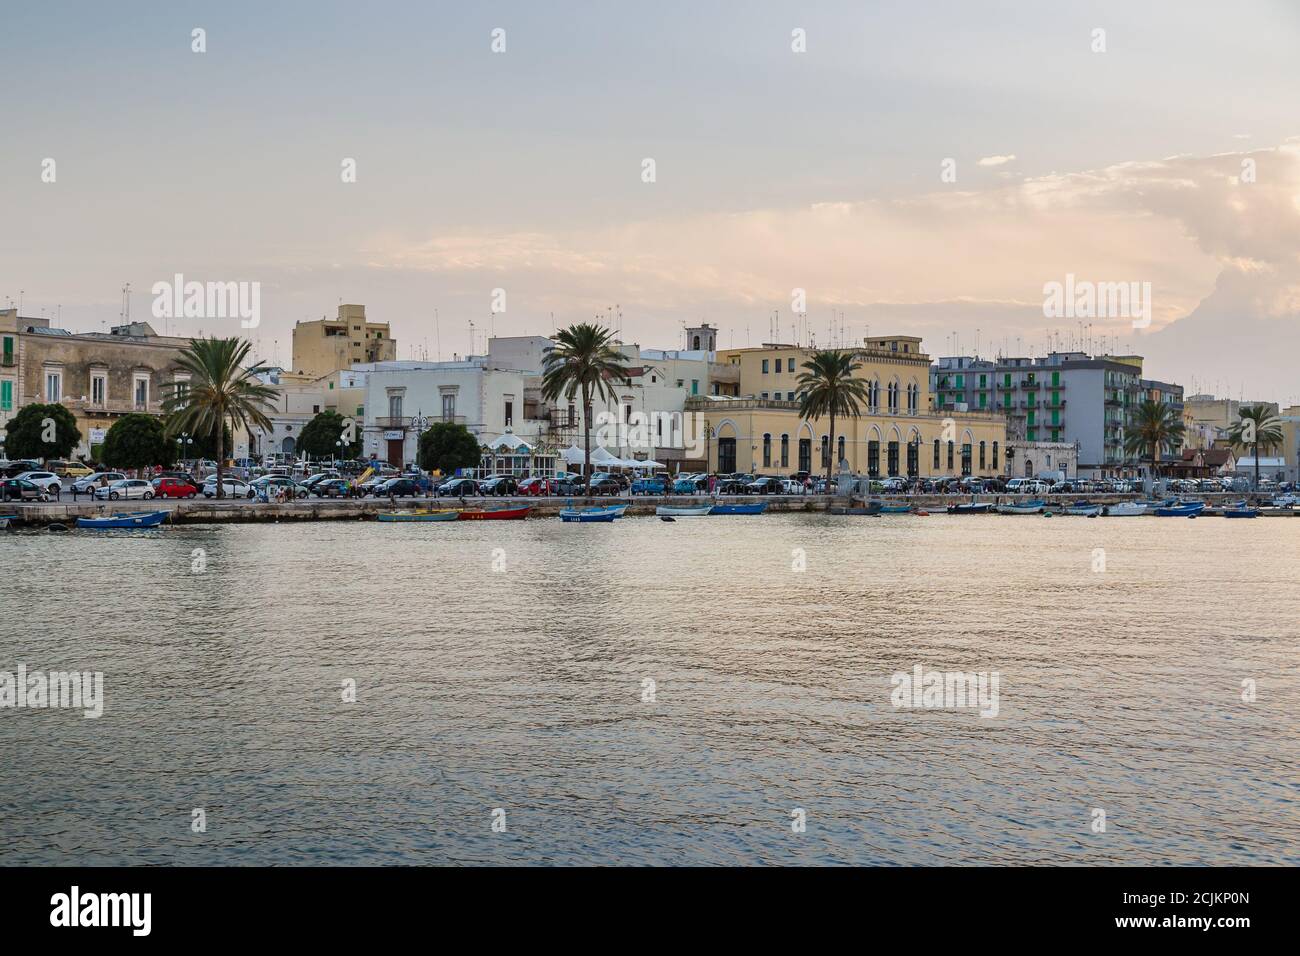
[775, 170]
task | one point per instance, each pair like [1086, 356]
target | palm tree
[1156, 426]
[1256, 428]
[220, 391]
[828, 387]
[582, 361]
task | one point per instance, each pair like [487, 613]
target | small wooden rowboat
[498, 514]
[139, 519]
[418, 515]
[676, 511]
[589, 515]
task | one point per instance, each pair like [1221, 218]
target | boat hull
[979, 508]
[1179, 511]
[1021, 508]
[589, 517]
[418, 516]
[1126, 509]
[755, 509]
[1241, 513]
[500, 514]
[145, 519]
[672, 511]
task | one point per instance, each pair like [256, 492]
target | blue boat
[1180, 509]
[587, 515]
[896, 509]
[137, 519]
[1239, 509]
[755, 509]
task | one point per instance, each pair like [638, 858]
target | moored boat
[139, 519]
[1126, 509]
[678, 511]
[589, 515]
[754, 509]
[971, 508]
[867, 508]
[900, 509]
[448, 515]
[1241, 512]
[1083, 508]
[497, 514]
[1179, 509]
[1032, 507]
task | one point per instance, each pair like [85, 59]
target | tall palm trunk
[586, 435]
[221, 455]
[830, 454]
[1256, 447]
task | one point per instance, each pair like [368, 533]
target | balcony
[391, 422]
[8, 360]
[1031, 386]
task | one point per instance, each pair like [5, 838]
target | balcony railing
[393, 422]
[8, 360]
[1030, 386]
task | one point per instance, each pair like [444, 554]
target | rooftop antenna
[437, 334]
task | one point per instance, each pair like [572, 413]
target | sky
[918, 168]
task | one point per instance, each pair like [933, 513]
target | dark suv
[20, 489]
[499, 485]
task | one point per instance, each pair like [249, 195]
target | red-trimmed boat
[498, 514]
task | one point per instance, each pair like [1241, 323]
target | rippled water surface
[522, 689]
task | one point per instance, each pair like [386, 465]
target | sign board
[97, 435]
[394, 434]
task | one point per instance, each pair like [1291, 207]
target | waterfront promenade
[243, 510]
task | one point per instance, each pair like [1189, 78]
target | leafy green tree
[1155, 426]
[584, 362]
[41, 431]
[137, 441]
[1256, 429]
[829, 387]
[220, 392]
[319, 437]
[446, 446]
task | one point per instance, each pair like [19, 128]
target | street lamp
[182, 441]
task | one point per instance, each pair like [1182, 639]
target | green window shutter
[1056, 379]
[6, 395]
[984, 399]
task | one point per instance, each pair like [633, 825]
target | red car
[537, 487]
[173, 488]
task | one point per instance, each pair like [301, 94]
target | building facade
[331, 345]
[98, 376]
[760, 431]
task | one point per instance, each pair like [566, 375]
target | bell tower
[701, 338]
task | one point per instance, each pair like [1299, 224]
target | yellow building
[329, 345]
[761, 432]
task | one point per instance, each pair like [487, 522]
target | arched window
[873, 396]
[826, 451]
[893, 397]
[981, 456]
[696, 346]
[785, 451]
[767, 451]
[952, 446]
[995, 456]
[840, 457]
[937, 466]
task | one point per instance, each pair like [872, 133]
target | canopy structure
[601, 458]
[649, 463]
[509, 442]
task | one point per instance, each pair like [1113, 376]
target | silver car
[88, 484]
[126, 488]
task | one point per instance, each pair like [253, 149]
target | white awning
[649, 463]
[510, 442]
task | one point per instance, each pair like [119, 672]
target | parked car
[331, 488]
[650, 485]
[499, 485]
[894, 485]
[536, 487]
[399, 488]
[458, 486]
[311, 481]
[68, 469]
[126, 488]
[166, 487]
[271, 485]
[690, 485]
[48, 481]
[12, 469]
[88, 484]
[764, 486]
[230, 487]
[603, 483]
[20, 489]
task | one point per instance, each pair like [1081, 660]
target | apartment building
[330, 345]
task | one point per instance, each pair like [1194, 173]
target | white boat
[1021, 507]
[672, 511]
[1085, 509]
[1126, 509]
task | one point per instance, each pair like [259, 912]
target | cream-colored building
[329, 345]
[897, 434]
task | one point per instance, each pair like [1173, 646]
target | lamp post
[182, 441]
